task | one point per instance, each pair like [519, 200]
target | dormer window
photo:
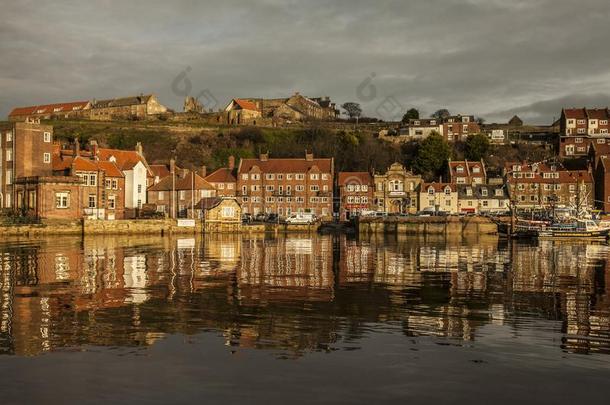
[431, 190]
[447, 190]
[476, 169]
[468, 191]
[460, 169]
[484, 192]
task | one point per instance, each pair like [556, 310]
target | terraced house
[286, 186]
[539, 185]
[355, 193]
[580, 128]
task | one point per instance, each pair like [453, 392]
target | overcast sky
[490, 58]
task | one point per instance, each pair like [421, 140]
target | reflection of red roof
[286, 165]
[190, 181]
[222, 175]
[245, 104]
[50, 108]
[355, 178]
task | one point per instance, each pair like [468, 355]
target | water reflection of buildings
[287, 292]
[286, 268]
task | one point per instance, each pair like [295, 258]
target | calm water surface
[227, 319]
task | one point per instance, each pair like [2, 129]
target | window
[254, 187]
[92, 201]
[447, 190]
[289, 176]
[484, 192]
[46, 158]
[93, 180]
[468, 191]
[62, 200]
[314, 176]
[363, 187]
[476, 169]
[220, 186]
[244, 190]
[107, 183]
[580, 130]
[269, 188]
[314, 188]
[431, 190]
[280, 177]
[300, 188]
[256, 177]
[182, 194]
[269, 176]
[300, 176]
[115, 184]
[9, 155]
[229, 186]
[244, 176]
[9, 136]
[47, 137]
[160, 196]
[139, 188]
[228, 212]
[324, 176]
[111, 202]
[460, 169]
[9, 180]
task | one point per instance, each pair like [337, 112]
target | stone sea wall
[451, 225]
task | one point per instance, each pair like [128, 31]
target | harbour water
[303, 319]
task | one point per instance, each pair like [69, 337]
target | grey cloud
[486, 57]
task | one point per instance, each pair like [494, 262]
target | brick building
[102, 185]
[422, 128]
[458, 127]
[397, 190]
[174, 195]
[355, 193]
[50, 197]
[25, 151]
[224, 180]
[579, 128]
[286, 186]
[296, 108]
[465, 172]
[540, 185]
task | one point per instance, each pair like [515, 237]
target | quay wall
[451, 225]
[143, 227]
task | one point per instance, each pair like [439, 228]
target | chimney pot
[204, 171]
[139, 148]
[172, 165]
[231, 162]
[264, 157]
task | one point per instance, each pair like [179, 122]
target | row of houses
[132, 107]
[239, 111]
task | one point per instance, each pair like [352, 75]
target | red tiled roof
[222, 175]
[110, 169]
[160, 171]
[245, 104]
[598, 113]
[125, 159]
[577, 113]
[182, 183]
[355, 178]
[286, 165]
[565, 176]
[49, 108]
[85, 165]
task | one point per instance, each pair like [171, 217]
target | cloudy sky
[491, 58]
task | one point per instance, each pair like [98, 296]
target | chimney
[76, 147]
[204, 171]
[231, 162]
[139, 149]
[94, 151]
[264, 157]
[308, 156]
[185, 172]
[172, 165]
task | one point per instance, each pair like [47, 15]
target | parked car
[272, 218]
[301, 218]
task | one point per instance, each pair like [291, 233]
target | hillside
[195, 144]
